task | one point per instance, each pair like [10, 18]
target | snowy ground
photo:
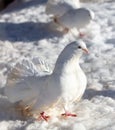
[24, 32]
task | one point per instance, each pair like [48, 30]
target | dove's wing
[42, 66]
[30, 67]
[18, 86]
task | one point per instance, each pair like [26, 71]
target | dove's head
[82, 46]
[75, 50]
[91, 13]
[78, 47]
[86, 13]
[85, 16]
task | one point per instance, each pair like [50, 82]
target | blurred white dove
[66, 84]
[57, 8]
[75, 18]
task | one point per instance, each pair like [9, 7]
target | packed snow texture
[25, 31]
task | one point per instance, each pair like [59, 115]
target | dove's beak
[86, 50]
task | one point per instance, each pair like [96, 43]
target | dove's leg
[43, 116]
[81, 35]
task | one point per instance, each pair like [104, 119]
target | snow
[25, 32]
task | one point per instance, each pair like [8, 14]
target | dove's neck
[67, 67]
[67, 62]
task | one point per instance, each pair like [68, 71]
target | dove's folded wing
[18, 86]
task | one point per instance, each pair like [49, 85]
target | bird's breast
[73, 85]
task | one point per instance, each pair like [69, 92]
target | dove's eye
[79, 47]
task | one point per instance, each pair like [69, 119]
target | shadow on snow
[90, 93]
[26, 32]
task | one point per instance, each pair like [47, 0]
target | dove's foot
[43, 116]
[67, 114]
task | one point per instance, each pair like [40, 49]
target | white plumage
[75, 18]
[57, 8]
[66, 84]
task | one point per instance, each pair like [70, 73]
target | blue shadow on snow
[25, 32]
[90, 93]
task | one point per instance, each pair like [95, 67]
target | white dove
[75, 18]
[57, 8]
[66, 84]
